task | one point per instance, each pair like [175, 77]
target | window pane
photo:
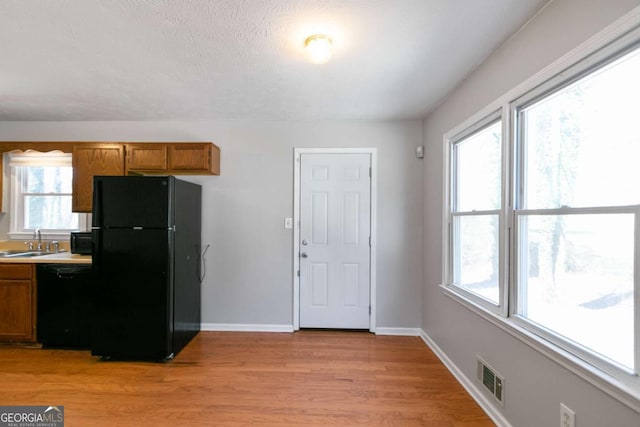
[577, 279]
[582, 143]
[478, 169]
[49, 213]
[476, 255]
[48, 179]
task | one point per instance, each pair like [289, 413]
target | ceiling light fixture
[318, 48]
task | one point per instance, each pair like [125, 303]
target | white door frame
[296, 226]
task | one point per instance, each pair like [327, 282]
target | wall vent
[492, 381]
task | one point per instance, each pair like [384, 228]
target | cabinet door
[195, 157]
[90, 160]
[16, 311]
[146, 157]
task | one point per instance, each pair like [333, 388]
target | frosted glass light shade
[318, 48]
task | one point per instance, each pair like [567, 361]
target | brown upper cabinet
[194, 158]
[146, 157]
[121, 158]
[179, 158]
[89, 160]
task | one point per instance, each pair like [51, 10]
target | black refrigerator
[146, 259]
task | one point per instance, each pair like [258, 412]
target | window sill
[614, 387]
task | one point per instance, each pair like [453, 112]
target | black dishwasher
[64, 305]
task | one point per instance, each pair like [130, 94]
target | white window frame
[517, 110]
[614, 41]
[16, 206]
[451, 214]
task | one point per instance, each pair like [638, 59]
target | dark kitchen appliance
[81, 242]
[64, 305]
[146, 235]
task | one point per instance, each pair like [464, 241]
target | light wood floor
[228, 378]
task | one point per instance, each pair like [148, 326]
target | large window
[41, 194]
[543, 229]
[576, 211]
[475, 211]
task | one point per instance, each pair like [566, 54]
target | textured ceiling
[241, 59]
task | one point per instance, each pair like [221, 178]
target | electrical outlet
[567, 416]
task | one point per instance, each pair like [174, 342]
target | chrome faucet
[37, 234]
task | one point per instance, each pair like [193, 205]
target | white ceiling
[242, 59]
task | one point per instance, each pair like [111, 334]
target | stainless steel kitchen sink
[12, 252]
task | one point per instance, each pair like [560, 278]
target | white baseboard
[236, 327]
[485, 403]
[412, 332]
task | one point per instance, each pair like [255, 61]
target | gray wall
[535, 385]
[249, 264]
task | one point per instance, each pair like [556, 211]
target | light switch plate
[288, 223]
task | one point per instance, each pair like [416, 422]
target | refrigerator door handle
[96, 256]
[97, 202]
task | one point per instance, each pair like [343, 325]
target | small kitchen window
[40, 195]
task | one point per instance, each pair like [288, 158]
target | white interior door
[335, 235]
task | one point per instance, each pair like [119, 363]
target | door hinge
[298, 273]
[369, 241]
[369, 310]
[369, 172]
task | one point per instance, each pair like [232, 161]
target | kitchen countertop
[64, 257]
[58, 258]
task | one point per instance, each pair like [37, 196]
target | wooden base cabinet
[17, 303]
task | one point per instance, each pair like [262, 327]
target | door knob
[304, 243]
[304, 255]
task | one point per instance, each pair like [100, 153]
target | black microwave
[81, 243]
